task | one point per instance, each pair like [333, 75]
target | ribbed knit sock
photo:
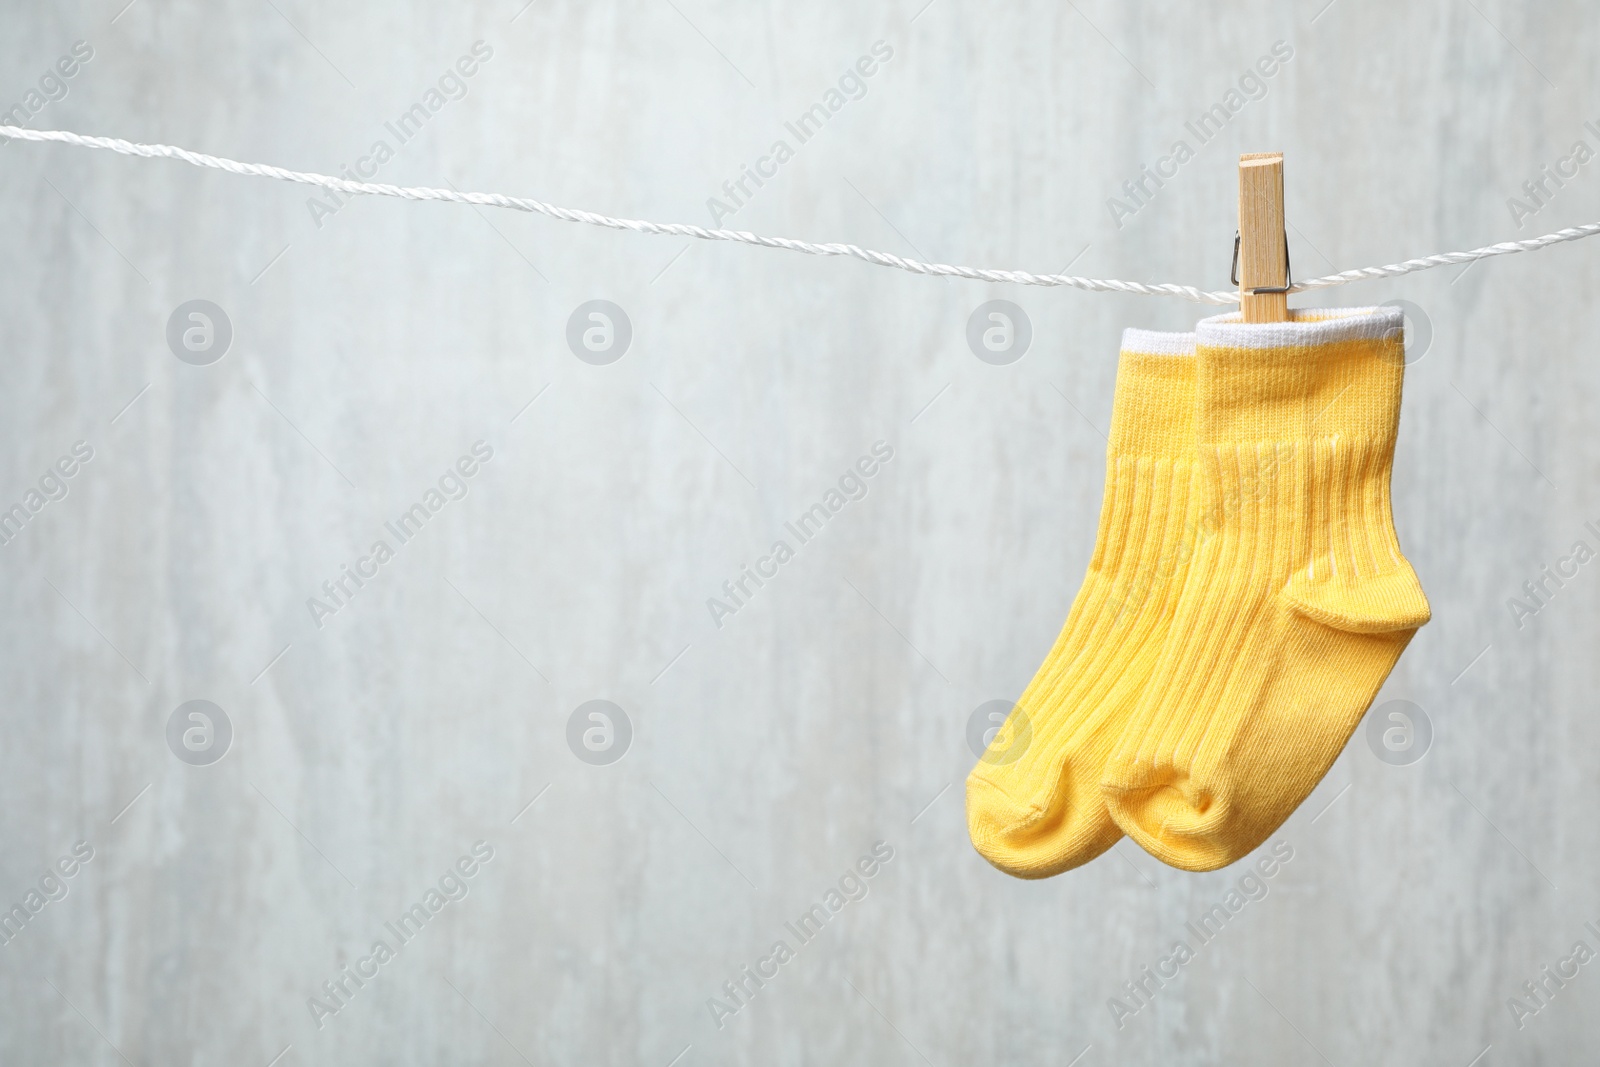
[1033, 801]
[1298, 602]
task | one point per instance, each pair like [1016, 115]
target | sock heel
[1378, 605]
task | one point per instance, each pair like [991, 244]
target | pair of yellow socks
[1245, 600]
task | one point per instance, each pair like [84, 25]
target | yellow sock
[1033, 801]
[1298, 602]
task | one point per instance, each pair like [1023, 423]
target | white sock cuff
[1309, 326]
[1157, 343]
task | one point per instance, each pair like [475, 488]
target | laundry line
[680, 229]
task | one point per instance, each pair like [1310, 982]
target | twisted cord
[680, 229]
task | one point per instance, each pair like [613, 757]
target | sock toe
[1031, 840]
[1171, 818]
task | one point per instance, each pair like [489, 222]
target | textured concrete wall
[374, 344]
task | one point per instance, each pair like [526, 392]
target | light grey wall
[829, 713]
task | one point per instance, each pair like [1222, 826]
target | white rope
[679, 229]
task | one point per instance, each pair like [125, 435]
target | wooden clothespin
[1263, 243]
